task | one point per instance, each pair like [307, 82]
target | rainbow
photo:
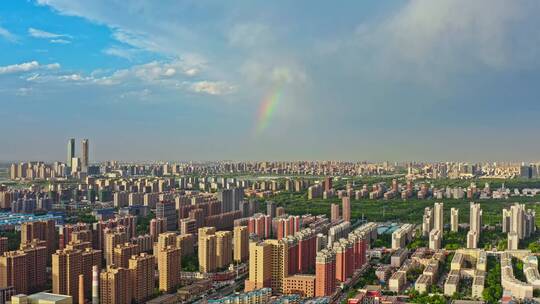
[267, 109]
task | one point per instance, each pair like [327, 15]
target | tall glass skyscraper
[70, 151]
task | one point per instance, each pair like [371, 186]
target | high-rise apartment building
[186, 243]
[241, 243]
[68, 264]
[519, 223]
[14, 271]
[334, 212]
[454, 219]
[439, 217]
[346, 208]
[207, 249]
[123, 252]
[327, 183]
[279, 264]
[36, 261]
[113, 237]
[261, 225]
[325, 269]
[169, 267]
[271, 209]
[427, 221]
[157, 226]
[223, 249]
[230, 199]
[260, 266]
[435, 239]
[3, 244]
[41, 230]
[142, 276]
[167, 210]
[66, 267]
[473, 236]
[344, 260]
[115, 287]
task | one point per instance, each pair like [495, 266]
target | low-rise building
[41, 298]
[303, 285]
[397, 281]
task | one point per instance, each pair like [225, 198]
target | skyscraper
[85, 155]
[70, 151]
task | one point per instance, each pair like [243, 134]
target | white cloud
[125, 53]
[60, 41]
[26, 67]
[7, 35]
[212, 87]
[53, 37]
[73, 77]
[163, 77]
[36, 33]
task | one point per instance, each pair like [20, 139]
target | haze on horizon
[279, 80]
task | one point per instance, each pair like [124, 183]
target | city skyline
[400, 80]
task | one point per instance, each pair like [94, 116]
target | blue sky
[359, 80]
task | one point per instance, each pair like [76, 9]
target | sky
[271, 80]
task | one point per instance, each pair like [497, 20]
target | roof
[48, 296]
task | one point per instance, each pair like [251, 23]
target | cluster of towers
[432, 225]
[519, 223]
[283, 264]
[77, 164]
[346, 210]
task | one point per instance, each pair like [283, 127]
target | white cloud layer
[26, 67]
[212, 87]
[36, 33]
[53, 37]
[427, 39]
